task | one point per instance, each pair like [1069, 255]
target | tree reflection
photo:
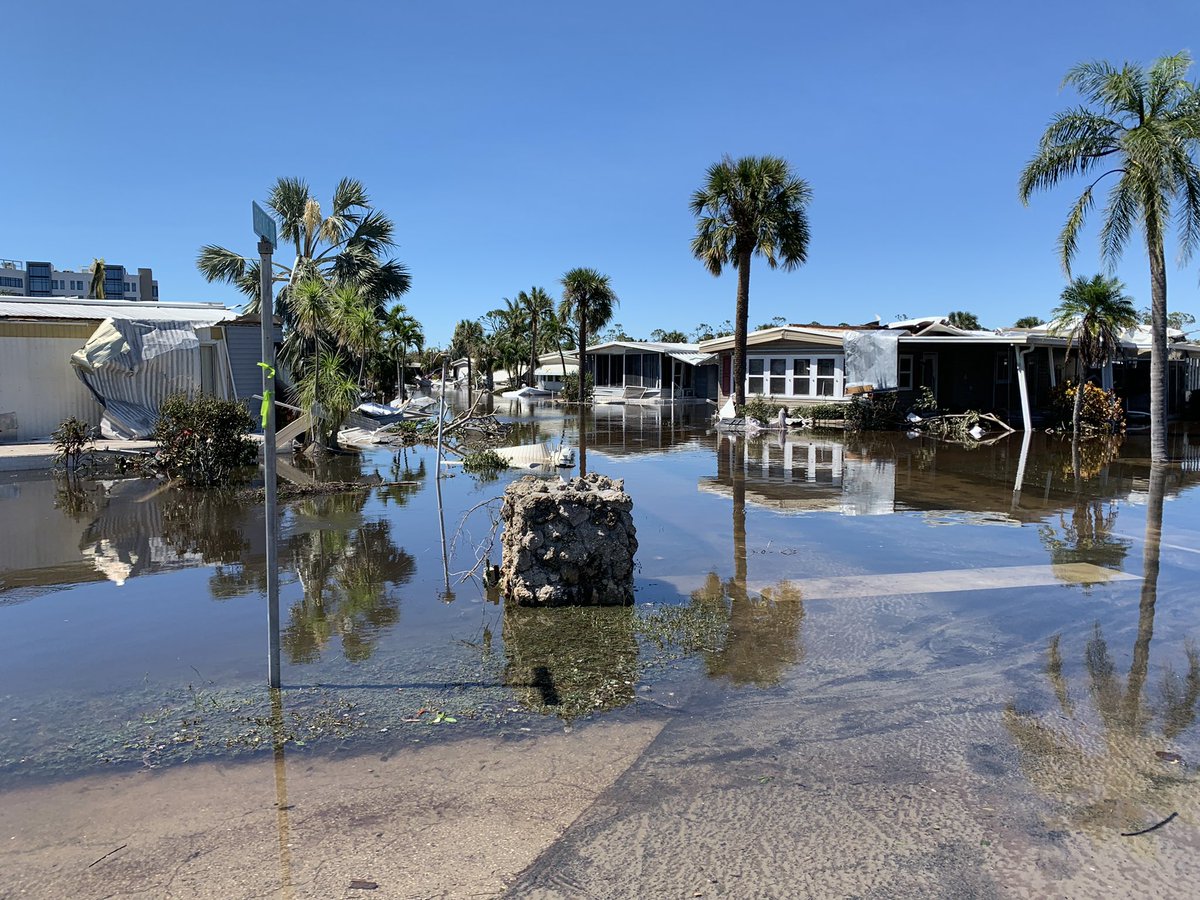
[571, 660]
[1083, 534]
[348, 577]
[1124, 783]
[762, 639]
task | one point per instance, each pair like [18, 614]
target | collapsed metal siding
[37, 384]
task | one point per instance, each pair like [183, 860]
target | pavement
[39, 455]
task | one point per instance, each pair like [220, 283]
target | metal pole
[266, 309]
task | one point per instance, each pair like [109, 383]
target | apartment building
[42, 279]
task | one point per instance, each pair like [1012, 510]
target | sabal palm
[466, 341]
[1142, 126]
[587, 299]
[355, 325]
[751, 205]
[405, 332]
[347, 246]
[1093, 313]
[539, 307]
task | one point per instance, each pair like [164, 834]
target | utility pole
[264, 227]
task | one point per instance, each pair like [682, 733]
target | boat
[527, 393]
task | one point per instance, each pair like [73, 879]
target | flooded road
[856, 666]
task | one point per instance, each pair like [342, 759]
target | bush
[570, 391]
[487, 464]
[821, 415]
[203, 440]
[925, 403]
[763, 410]
[72, 439]
[872, 412]
[1101, 412]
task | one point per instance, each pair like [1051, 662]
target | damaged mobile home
[112, 363]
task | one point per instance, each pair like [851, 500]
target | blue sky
[511, 142]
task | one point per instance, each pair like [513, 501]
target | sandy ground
[450, 820]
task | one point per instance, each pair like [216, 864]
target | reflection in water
[347, 575]
[1084, 534]
[1125, 784]
[571, 660]
[279, 739]
[762, 637]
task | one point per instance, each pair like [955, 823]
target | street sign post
[264, 225]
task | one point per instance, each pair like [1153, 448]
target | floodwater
[870, 666]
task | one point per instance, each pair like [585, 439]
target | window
[778, 376]
[801, 375]
[156, 292]
[12, 282]
[904, 372]
[826, 375]
[794, 376]
[754, 380]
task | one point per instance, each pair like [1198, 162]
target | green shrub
[487, 464]
[872, 412]
[1101, 412]
[570, 391]
[764, 411]
[72, 439]
[822, 415]
[202, 440]
[925, 403]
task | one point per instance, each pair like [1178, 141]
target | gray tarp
[133, 366]
[871, 359]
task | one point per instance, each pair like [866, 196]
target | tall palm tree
[539, 307]
[1093, 313]
[405, 332]
[747, 206]
[555, 329]
[354, 324]
[588, 299]
[96, 285]
[346, 246]
[466, 342]
[509, 325]
[1141, 125]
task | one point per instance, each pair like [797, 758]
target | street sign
[264, 225]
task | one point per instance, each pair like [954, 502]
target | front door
[929, 372]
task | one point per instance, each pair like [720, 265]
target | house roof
[829, 335]
[688, 353]
[198, 314]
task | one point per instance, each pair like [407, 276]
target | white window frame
[904, 380]
[762, 378]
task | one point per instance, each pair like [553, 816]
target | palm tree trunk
[399, 382]
[470, 380]
[533, 354]
[1078, 408]
[582, 352]
[403, 372]
[1158, 351]
[1140, 665]
[740, 326]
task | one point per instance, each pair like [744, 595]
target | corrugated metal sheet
[198, 314]
[694, 359]
[134, 366]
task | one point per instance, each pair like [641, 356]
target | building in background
[42, 279]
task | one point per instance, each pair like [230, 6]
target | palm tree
[347, 246]
[1141, 125]
[750, 205]
[466, 342]
[539, 308]
[509, 326]
[96, 285]
[354, 324]
[405, 332]
[1093, 313]
[588, 299]
[554, 330]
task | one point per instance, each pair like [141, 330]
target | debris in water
[1168, 757]
[360, 884]
[1151, 828]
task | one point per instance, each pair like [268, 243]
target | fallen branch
[118, 850]
[1151, 828]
